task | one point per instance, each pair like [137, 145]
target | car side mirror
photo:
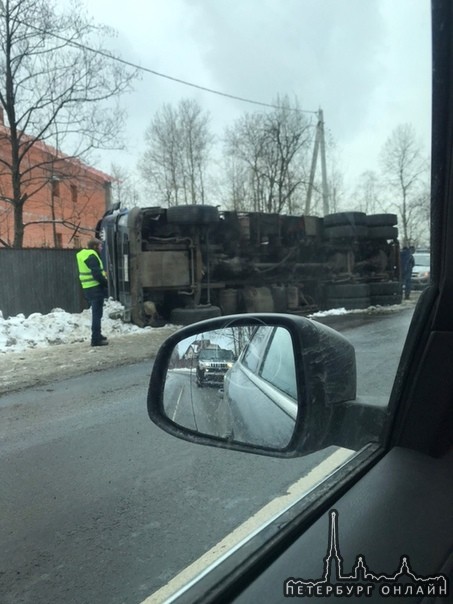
[272, 384]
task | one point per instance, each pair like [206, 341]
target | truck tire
[348, 303]
[385, 288]
[382, 219]
[194, 214]
[348, 290]
[386, 300]
[187, 316]
[346, 232]
[382, 232]
[345, 218]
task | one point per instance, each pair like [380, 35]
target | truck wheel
[346, 232]
[386, 288]
[382, 219]
[187, 316]
[345, 218]
[348, 290]
[348, 303]
[386, 300]
[194, 214]
[382, 232]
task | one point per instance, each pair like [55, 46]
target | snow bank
[371, 310]
[59, 327]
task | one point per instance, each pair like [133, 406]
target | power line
[158, 74]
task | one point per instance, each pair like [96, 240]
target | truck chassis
[188, 263]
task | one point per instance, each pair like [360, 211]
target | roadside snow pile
[59, 327]
[371, 310]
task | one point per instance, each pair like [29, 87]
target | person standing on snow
[94, 284]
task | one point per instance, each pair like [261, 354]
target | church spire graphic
[362, 581]
[333, 562]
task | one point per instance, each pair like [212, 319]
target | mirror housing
[326, 388]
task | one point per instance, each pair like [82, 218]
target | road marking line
[249, 528]
[177, 404]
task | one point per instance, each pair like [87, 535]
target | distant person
[94, 284]
[407, 265]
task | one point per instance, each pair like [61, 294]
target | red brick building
[66, 197]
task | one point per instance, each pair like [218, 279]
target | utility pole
[320, 145]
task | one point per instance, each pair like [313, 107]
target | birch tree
[176, 159]
[405, 170]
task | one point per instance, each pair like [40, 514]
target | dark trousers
[407, 285]
[95, 298]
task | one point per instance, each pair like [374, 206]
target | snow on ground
[41, 349]
[371, 310]
[21, 333]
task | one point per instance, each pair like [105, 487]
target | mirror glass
[236, 383]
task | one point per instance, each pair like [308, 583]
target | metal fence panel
[39, 280]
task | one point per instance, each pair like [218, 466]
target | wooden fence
[39, 280]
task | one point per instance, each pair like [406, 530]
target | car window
[253, 354]
[278, 367]
[250, 111]
[377, 201]
[216, 353]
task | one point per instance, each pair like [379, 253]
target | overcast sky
[366, 63]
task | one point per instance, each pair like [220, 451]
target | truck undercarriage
[188, 263]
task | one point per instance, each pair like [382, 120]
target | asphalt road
[99, 506]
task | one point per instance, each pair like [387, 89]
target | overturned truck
[188, 263]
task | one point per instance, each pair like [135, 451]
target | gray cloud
[366, 63]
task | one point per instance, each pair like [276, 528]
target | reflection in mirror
[236, 383]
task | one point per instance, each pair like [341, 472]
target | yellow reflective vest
[85, 275]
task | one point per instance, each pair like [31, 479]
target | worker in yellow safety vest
[94, 284]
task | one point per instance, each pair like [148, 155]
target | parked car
[394, 494]
[212, 364]
[421, 271]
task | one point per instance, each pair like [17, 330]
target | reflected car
[261, 389]
[421, 271]
[212, 364]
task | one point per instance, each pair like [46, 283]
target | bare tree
[57, 84]
[274, 148]
[367, 194]
[176, 160]
[236, 190]
[421, 211]
[405, 170]
[124, 187]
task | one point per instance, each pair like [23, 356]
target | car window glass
[254, 353]
[377, 59]
[278, 367]
[216, 353]
[107, 500]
